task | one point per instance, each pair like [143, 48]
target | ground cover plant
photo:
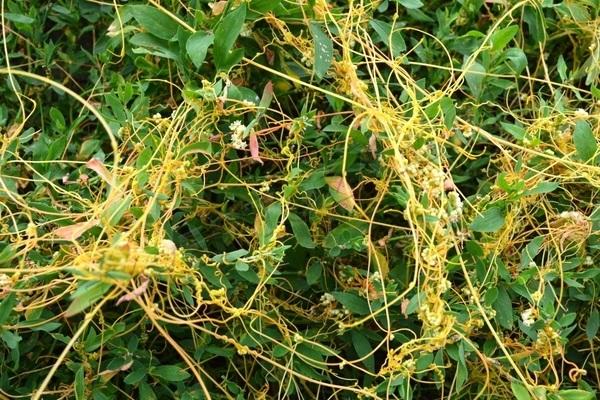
[285, 199]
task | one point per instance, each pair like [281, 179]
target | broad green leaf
[561, 68]
[301, 231]
[225, 37]
[503, 36]
[169, 373]
[531, 250]
[593, 323]
[535, 23]
[86, 295]
[491, 220]
[584, 141]
[354, 303]
[341, 191]
[154, 21]
[520, 391]
[197, 45]
[323, 50]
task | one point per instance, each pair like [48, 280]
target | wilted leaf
[98, 167]
[72, 232]
[341, 191]
[253, 144]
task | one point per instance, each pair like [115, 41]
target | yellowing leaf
[98, 167]
[72, 232]
[341, 191]
[379, 262]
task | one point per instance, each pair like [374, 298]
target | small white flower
[528, 316]
[581, 113]
[237, 142]
[157, 116]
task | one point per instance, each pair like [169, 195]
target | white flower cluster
[581, 113]
[575, 216]
[327, 299]
[429, 255]
[237, 135]
[457, 206]
[529, 316]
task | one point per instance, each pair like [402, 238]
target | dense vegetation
[292, 199]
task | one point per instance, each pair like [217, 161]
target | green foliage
[265, 199]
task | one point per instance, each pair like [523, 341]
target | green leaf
[410, 4]
[115, 211]
[388, 35]
[363, 347]
[323, 50]
[169, 373]
[6, 306]
[11, 339]
[354, 303]
[543, 187]
[520, 391]
[502, 37]
[154, 21]
[226, 34]
[314, 272]
[584, 141]
[503, 307]
[491, 220]
[301, 231]
[80, 384]
[474, 77]
[516, 131]
[197, 45]
[449, 111]
[86, 295]
[146, 392]
[593, 323]
[135, 376]
[574, 394]
[18, 18]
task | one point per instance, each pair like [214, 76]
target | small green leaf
[301, 231]
[11, 339]
[516, 131]
[323, 50]
[169, 373]
[584, 141]
[449, 111]
[520, 391]
[575, 394]
[225, 37]
[314, 272]
[503, 307]
[154, 21]
[543, 187]
[390, 36]
[363, 347]
[80, 384]
[197, 45]
[411, 4]
[491, 220]
[593, 323]
[354, 303]
[86, 295]
[502, 37]
[115, 211]
[474, 77]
